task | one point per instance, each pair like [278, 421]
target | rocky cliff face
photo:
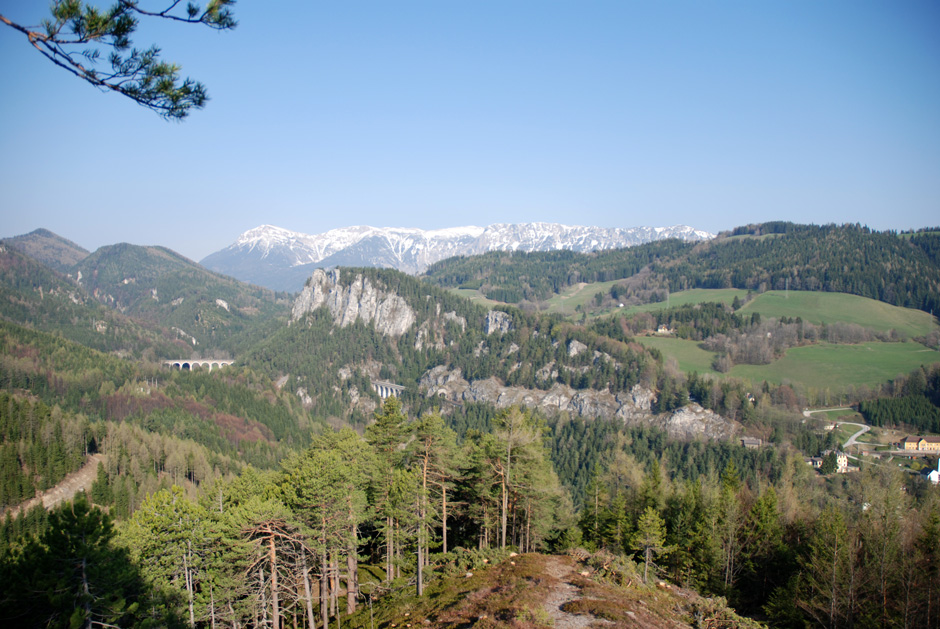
[372, 302]
[389, 313]
[633, 408]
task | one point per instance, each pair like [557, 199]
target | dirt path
[562, 593]
[80, 480]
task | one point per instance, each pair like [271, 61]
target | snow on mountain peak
[412, 249]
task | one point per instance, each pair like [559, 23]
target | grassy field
[566, 302]
[836, 367]
[474, 296]
[693, 296]
[827, 308]
[818, 367]
[813, 307]
[687, 353]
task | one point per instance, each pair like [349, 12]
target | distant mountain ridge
[282, 259]
[51, 249]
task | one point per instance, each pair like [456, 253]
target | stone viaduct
[387, 389]
[197, 363]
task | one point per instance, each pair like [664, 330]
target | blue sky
[456, 112]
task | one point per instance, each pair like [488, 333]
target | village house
[842, 461]
[920, 444]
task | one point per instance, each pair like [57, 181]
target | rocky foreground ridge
[360, 298]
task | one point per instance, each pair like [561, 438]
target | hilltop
[54, 251]
[533, 590]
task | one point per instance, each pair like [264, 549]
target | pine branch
[139, 74]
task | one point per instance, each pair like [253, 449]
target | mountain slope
[209, 311]
[771, 256]
[50, 249]
[35, 296]
[352, 327]
[281, 259]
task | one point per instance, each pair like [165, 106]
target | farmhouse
[921, 444]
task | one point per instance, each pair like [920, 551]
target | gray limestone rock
[497, 321]
[631, 408]
[389, 313]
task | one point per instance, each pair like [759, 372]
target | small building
[931, 475]
[663, 329]
[751, 443]
[921, 444]
[842, 461]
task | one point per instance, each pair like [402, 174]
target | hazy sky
[458, 112]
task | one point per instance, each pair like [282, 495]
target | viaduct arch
[387, 389]
[197, 363]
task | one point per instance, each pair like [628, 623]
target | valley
[594, 403]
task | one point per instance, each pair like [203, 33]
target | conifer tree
[71, 36]
[650, 538]
[385, 436]
[170, 538]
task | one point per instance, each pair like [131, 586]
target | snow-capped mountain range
[282, 259]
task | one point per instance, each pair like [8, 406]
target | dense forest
[916, 403]
[759, 528]
[834, 258]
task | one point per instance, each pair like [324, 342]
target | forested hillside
[334, 363]
[35, 296]
[155, 425]
[52, 250]
[210, 312]
[847, 258]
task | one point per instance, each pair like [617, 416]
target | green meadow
[821, 366]
[820, 308]
[688, 354]
[838, 366]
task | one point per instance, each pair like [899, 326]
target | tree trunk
[334, 585]
[352, 572]
[86, 591]
[324, 590]
[187, 563]
[275, 610]
[389, 548]
[444, 515]
[308, 595]
[504, 508]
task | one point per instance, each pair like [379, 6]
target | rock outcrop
[633, 408]
[497, 321]
[388, 312]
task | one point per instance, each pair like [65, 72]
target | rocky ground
[535, 591]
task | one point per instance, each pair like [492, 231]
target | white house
[932, 475]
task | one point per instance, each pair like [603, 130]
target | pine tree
[650, 538]
[170, 537]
